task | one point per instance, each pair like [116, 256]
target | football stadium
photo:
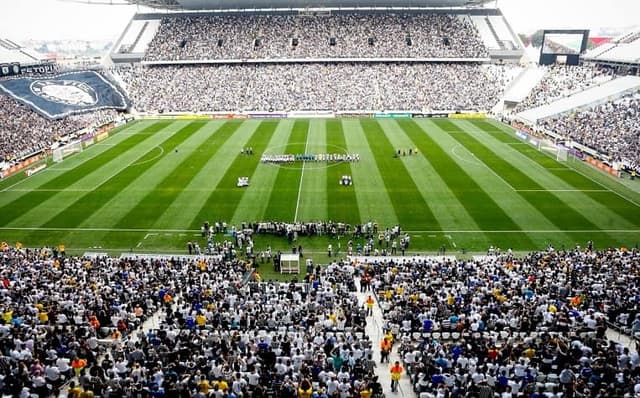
[337, 199]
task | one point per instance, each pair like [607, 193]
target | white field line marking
[453, 243]
[490, 169]
[462, 159]
[582, 174]
[562, 190]
[153, 158]
[10, 187]
[304, 162]
[606, 188]
[104, 180]
[469, 231]
[49, 190]
[53, 168]
[88, 190]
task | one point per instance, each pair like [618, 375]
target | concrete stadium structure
[253, 4]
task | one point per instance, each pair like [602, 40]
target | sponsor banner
[191, 116]
[21, 166]
[40, 69]
[87, 136]
[353, 115]
[602, 166]
[473, 115]
[523, 127]
[102, 136]
[65, 94]
[394, 115]
[267, 115]
[311, 114]
[429, 115]
[11, 69]
[522, 135]
[34, 170]
[576, 153]
[158, 116]
[105, 128]
[223, 116]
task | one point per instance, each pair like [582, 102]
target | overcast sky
[55, 19]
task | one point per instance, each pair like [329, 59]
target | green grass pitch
[472, 184]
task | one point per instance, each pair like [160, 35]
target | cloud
[53, 19]
[527, 16]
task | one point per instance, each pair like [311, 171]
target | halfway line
[439, 232]
[304, 162]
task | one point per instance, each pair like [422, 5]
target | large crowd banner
[65, 94]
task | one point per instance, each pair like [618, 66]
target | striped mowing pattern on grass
[26, 202]
[284, 198]
[472, 184]
[342, 201]
[596, 191]
[409, 205]
[223, 200]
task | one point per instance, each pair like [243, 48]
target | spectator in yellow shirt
[203, 385]
[222, 385]
[304, 389]
[366, 392]
[201, 320]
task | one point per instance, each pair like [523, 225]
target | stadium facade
[492, 28]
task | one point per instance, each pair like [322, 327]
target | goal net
[62, 152]
[562, 154]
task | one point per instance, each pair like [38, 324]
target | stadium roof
[261, 4]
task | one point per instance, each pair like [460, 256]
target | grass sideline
[471, 185]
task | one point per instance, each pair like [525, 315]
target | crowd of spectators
[561, 81]
[612, 129]
[354, 35]
[23, 131]
[315, 86]
[514, 327]
[511, 326]
[74, 324]
[368, 230]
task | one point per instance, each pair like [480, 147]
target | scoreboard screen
[569, 42]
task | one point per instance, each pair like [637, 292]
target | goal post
[557, 150]
[62, 152]
[562, 154]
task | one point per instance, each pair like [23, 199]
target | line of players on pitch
[310, 157]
